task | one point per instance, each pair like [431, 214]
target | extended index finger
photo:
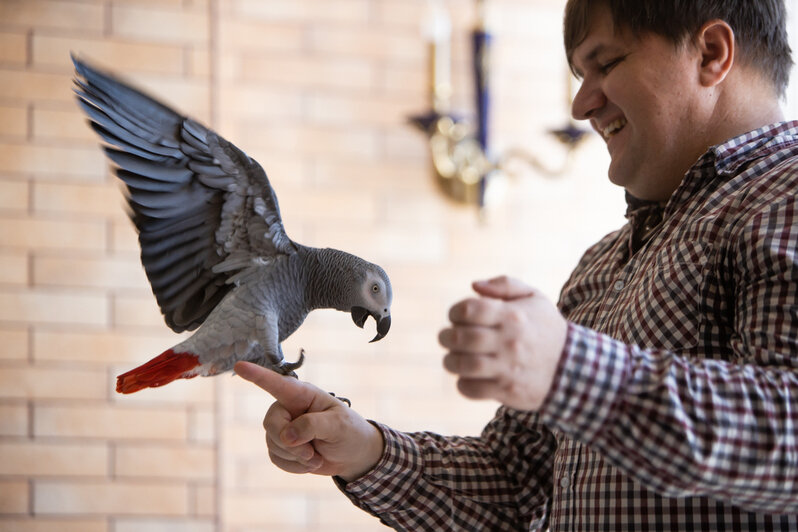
[294, 395]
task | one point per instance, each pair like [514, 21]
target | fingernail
[289, 435]
[315, 462]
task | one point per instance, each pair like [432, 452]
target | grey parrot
[212, 241]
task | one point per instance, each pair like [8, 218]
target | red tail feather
[161, 370]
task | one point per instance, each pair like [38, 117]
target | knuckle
[467, 311]
[514, 316]
[514, 346]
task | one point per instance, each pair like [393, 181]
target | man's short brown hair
[759, 27]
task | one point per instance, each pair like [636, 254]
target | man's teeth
[613, 127]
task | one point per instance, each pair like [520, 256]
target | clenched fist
[506, 344]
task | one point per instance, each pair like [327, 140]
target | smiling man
[661, 392]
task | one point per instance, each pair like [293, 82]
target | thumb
[503, 287]
[295, 396]
[312, 426]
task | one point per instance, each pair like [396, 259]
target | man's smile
[612, 128]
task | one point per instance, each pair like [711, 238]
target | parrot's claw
[343, 400]
[287, 368]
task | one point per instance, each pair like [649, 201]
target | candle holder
[462, 163]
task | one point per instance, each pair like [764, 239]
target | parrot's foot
[343, 400]
[287, 368]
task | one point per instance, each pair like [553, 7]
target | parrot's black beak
[360, 315]
[383, 326]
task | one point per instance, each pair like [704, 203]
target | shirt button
[565, 482]
[618, 286]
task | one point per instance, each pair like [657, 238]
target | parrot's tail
[161, 370]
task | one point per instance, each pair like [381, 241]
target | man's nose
[587, 100]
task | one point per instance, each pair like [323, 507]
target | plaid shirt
[675, 403]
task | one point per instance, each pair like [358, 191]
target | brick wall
[318, 91]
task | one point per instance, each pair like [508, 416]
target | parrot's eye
[375, 288]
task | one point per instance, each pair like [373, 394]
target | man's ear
[716, 44]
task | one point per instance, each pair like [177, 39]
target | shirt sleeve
[425, 481]
[683, 426]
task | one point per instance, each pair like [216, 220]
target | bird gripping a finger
[212, 241]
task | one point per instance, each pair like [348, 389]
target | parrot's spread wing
[204, 210]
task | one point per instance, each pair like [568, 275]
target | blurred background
[319, 92]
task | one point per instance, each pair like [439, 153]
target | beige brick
[202, 425]
[13, 121]
[14, 195]
[324, 142]
[122, 56]
[408, 80]
[72, 162]
[49, 524]
[411, 15]
[13, 267]
[203, 500]
[61, 124]
[159, 25]
[27, 85]
[244, 439]
[352, 11]
[372, 43]
[138, 311]
[14, 499]
[243, 510]
[13, 47]
[400, 244]
[51, 234]
[255, 101]
[114, 273]
[159, 461]
[52, 14]
[256, 473]
[52, 383]
[13, 419]
[124, 238]
[15, 343]
[99, 347]
[405, 145]
[130, 524]
[87, 498]
[240, 34]
[101, 199]
[188, 96]
[308, 206]
[53, 307]
[110, 422]
[329, 109]
[396, 177]
[337, 516]
[199, 63]
[322, 73]
[34, 458]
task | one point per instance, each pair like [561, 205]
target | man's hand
[310, 431]
[506, 344]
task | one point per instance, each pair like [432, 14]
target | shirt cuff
[587, 385]
[389, 484]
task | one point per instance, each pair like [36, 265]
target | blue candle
[481, 41]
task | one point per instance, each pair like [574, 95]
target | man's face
[641, 94]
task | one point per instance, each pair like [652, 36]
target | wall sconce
[461, 158]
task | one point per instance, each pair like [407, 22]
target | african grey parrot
[213, 244]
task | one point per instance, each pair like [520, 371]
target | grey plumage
[212, 241]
